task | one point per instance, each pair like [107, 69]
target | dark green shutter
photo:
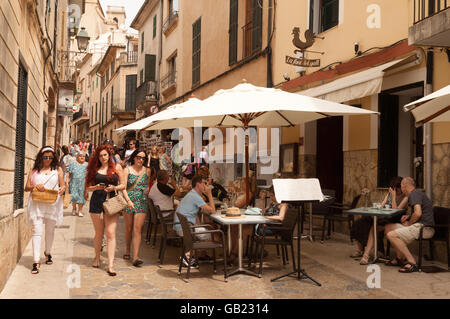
[196, 51]
[21, 125]
[233, 32]
[330, 14]
[256, 26]
[154, 26]
[130, 94]
[142, 42]
[150, 67]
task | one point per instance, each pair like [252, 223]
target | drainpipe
[158, 74]
[269, 48]
[428, 132]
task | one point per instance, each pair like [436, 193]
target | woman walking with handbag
[77, 173]
[45, 205]
[138, 178]
[104, 178]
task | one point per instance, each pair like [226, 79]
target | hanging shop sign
[302, 62]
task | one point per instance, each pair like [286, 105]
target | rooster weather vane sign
[302, 48]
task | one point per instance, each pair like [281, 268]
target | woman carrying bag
[104, 178]
[138, 178]
[45, 205]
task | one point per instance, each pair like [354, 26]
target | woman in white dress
[46, 174]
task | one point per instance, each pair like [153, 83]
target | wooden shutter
[387, 139]
[154, 26]
[256, 25]
[330, 14]
[21, 125]
[196, 51]
[233, 32]
[142, 42]
[130, 95]
[150, 67]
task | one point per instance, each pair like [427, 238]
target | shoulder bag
[48, 196]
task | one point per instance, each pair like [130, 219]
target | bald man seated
[403, 233]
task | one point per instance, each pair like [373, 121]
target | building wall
[21, 42]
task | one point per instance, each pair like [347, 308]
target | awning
[355, 86]
[434, 107]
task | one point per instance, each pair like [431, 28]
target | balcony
[170, 22]
[129, 57]
[146, 95]
[124, 108]
[168, 82]
[80, 117]
[431, 23]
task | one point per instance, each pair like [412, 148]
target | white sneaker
[80, 214]
[74, 213]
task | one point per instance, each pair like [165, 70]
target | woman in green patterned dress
[138, 177]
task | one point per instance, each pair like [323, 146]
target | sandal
[35, 269]
[111, 273]
[412, 268]
[49, 260]
[396, 262]
[357, 254]
[138, 263]
[364, 260]
[126, 257]
[96, 266]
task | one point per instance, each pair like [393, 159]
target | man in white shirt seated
[162, 194]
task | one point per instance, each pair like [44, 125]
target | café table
[375, 213]
[241, 220]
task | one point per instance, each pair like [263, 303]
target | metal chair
[284, 234]
[335, 214]
[192, 244]
[165, 235]
[321, 209]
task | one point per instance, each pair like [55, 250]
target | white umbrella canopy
[434, 107]
[246, 105]
[170, 112]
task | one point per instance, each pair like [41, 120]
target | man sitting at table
[162, 194]
[400, 235]
[190, 205]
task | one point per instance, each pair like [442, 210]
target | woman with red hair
[104, 178]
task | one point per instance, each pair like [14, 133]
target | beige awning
[434, 107]
[355, 86]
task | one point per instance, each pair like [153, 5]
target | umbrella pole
[247, 179]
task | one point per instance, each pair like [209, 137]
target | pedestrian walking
[104, 178]
[154, 158]
[138, 178]
[45, 205]
[77, 174]
[165, 163]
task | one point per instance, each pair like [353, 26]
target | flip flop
[126, 257]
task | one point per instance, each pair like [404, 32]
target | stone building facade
[32, 31]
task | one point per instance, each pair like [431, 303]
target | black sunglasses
[47, 158]
[140, 157]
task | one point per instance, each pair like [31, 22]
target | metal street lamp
[82, 40]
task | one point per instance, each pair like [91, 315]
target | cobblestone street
[328, 263]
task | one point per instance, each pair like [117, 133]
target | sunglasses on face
[131, 144]
[140, 158]
[45, 158]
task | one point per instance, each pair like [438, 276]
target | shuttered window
[142, 42]
[196, 50]
[154, 26]
[112, 97]
[256, 25]
[21, 122]
[150, 67]
[130, 93]
[233, 32]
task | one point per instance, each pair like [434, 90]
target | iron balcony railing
[169, 79]
[132, 57]
[173, 16]
[424, 9]
[146, 93]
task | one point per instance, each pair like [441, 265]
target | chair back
[161, 219]
[441, 217]
[188, 239]
[355, 201]
[152, 210]
[289, 222]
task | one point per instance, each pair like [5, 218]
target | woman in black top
[104, 178]
[154, 159]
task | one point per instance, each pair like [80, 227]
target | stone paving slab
[328, 263]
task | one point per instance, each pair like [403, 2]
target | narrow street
[340, 276]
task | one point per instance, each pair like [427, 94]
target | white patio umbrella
[170, 112]
[434, 107]
[248, 105]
